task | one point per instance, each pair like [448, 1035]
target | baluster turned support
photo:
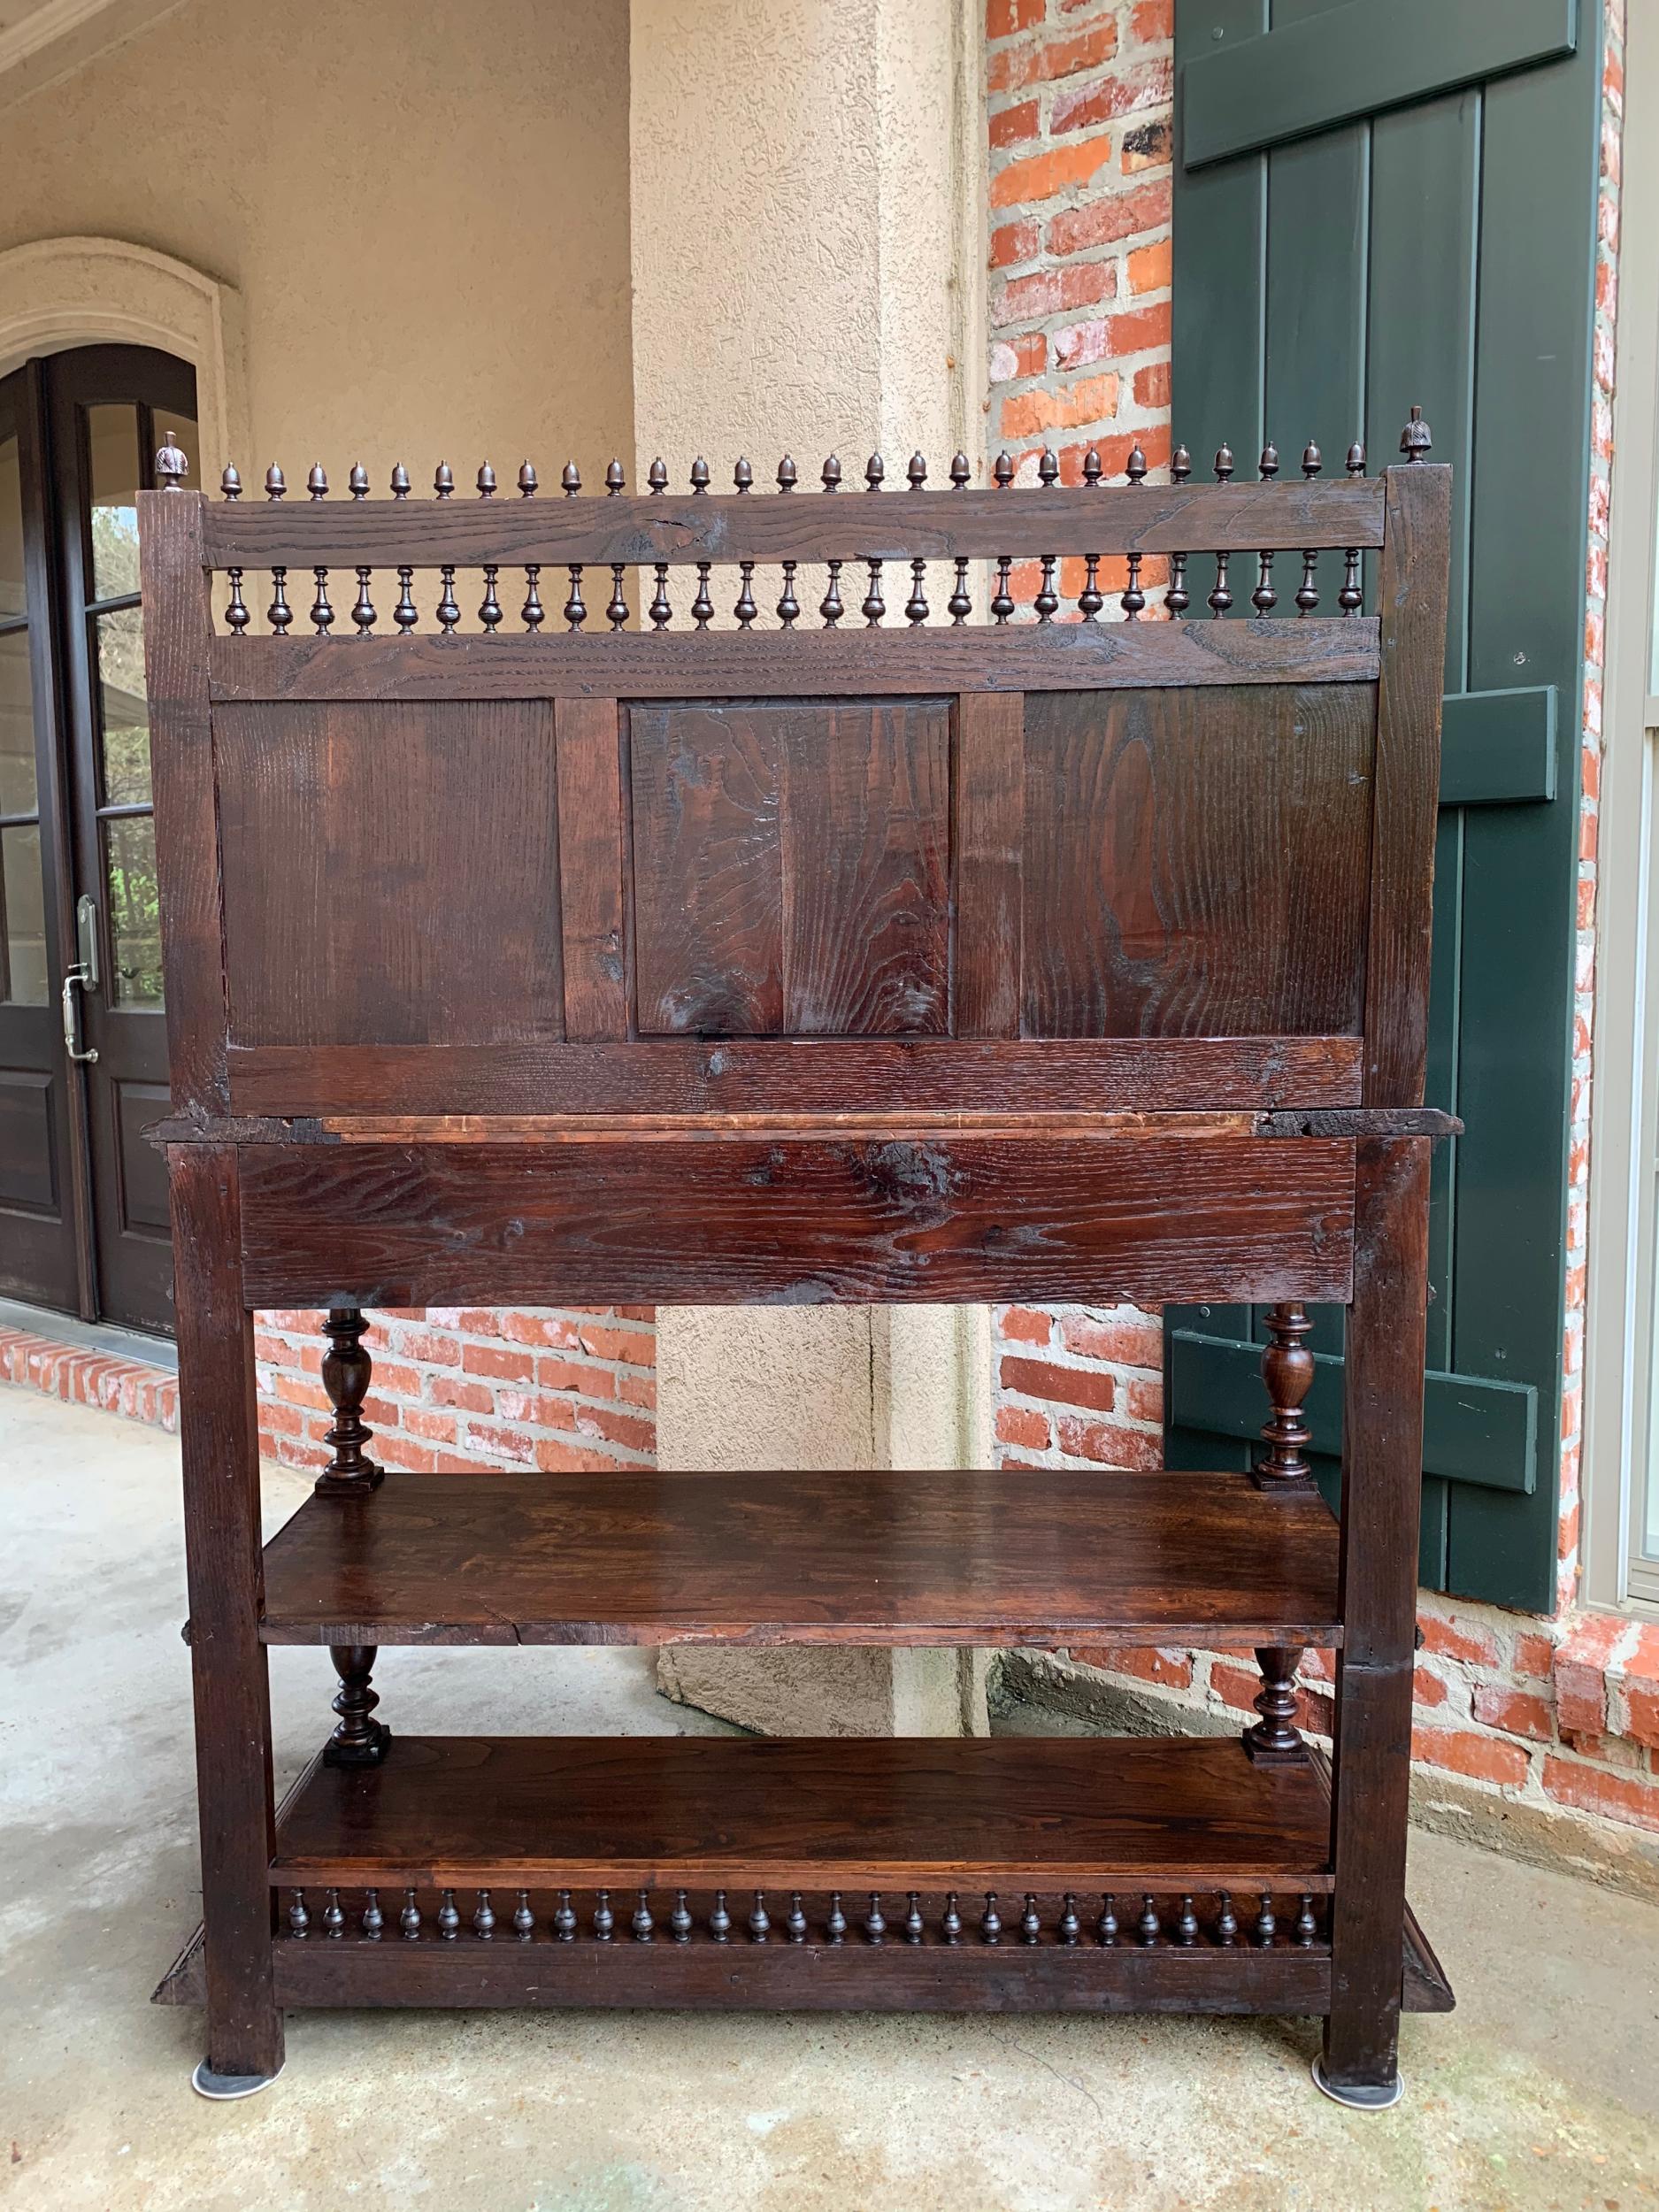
[1275, 1740]
[359, 1740]
[347, 1372]
[1287, 1371]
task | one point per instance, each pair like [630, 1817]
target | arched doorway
[84, 1216]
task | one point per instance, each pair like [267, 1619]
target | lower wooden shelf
[778, 1813]
[860, 1873]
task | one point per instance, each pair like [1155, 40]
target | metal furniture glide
[978, 949]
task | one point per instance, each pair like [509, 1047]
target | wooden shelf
[891, 1814]
[862, 1558]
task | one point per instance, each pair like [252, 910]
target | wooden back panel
[801, 863]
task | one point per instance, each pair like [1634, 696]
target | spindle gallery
[1011, 1035]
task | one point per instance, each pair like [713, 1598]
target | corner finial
[1415, 441]
[173, 464]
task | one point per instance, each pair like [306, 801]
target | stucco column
[806, 240]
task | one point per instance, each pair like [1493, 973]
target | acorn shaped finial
[275, 486]
[571, 480]
[527, 483]
[1004, 472]
[400, 482]
[875, 471]
[615, 479]
[742, 475]
[916, 474]
[486, 482]
[831, 473]
[657, 475]
[785, 474]
[443, 480]
[358, 480]
[1312, 460]
[230, 483]
[961, 474]
[317, 482]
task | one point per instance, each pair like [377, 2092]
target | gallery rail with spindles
[903, 889]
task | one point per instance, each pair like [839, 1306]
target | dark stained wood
[740, 1075]
[803, 1224]
[590, 867]
[1411, 600]
[791, 869]
[390, 873]
[177, 621]
[1196, 862]
[347, 1372]
[688, 664]
[732, 527]
[871, 1557]
[990, 854]
[1382, 1491]
[219, 1435]
[885, 1813]
[940, 1978]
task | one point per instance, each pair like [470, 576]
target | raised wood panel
[791, 868]
[750, 1221]
[143, 1170]
[390, 873]
[28, 1150]
[1196, 862]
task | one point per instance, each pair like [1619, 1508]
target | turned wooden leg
[1382, 1483]
[1275, 1740]
[359, 1740]
[347, 1372]
[219, 1435]
[1287, 1375]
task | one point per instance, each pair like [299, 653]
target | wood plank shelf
[874, 1557]
[1044, 1814]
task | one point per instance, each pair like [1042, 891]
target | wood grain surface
[815, 1223]
[824, 1557]
[779, 1812]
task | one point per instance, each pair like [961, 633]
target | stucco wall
[425, 216]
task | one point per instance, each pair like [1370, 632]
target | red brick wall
[1561, 1713]
[476, 1387]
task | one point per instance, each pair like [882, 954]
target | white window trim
[1620, 1415]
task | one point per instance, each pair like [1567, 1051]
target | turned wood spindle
[484, 1917]
[913, 1928]
[1030, 1921]
[1106, 1926]
[835, 1927]
[1176, 597]
[745, 609]
[405, 614]
[679, 1919]
[719, 1919]
[322, 612]
[795, 1924]
[1148, 1928]
[959, 606]
[875, 1922]
[359, 1740]
[950, 1927]
[1308, 590]
[1287, 1373]
[604, 1919]
[1002, 599]
[409, 1919]
[1265, 1927]
[565, 1918]
[1307, 1929]
[990, 1920]
[642, 1926]
[1351, 598]
[347, 1372]
[523, 1918]
[448, 1918]
[333, 1915]
[371, 1921]
[1069, 1928]
[1275, 1740]
[1227, 1919]
[1134, 600]
[1186, 1926]
[363, 607]
[448, 609]
[299, 1919]
[759, 1919]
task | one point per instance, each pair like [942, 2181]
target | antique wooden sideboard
[948, 943]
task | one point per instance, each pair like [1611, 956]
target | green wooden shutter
[1377, 202]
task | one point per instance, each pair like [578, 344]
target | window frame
[1622, 1409]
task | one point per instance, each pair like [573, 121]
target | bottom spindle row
[1146, 1921]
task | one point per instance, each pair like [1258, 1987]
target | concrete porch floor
[1542, 2090]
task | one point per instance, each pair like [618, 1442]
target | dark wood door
[41, 1153]
[83, 1060]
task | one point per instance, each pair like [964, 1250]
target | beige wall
[425, 211]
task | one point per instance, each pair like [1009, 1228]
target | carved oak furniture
[653, 953]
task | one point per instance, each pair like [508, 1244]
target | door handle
[76, 979]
